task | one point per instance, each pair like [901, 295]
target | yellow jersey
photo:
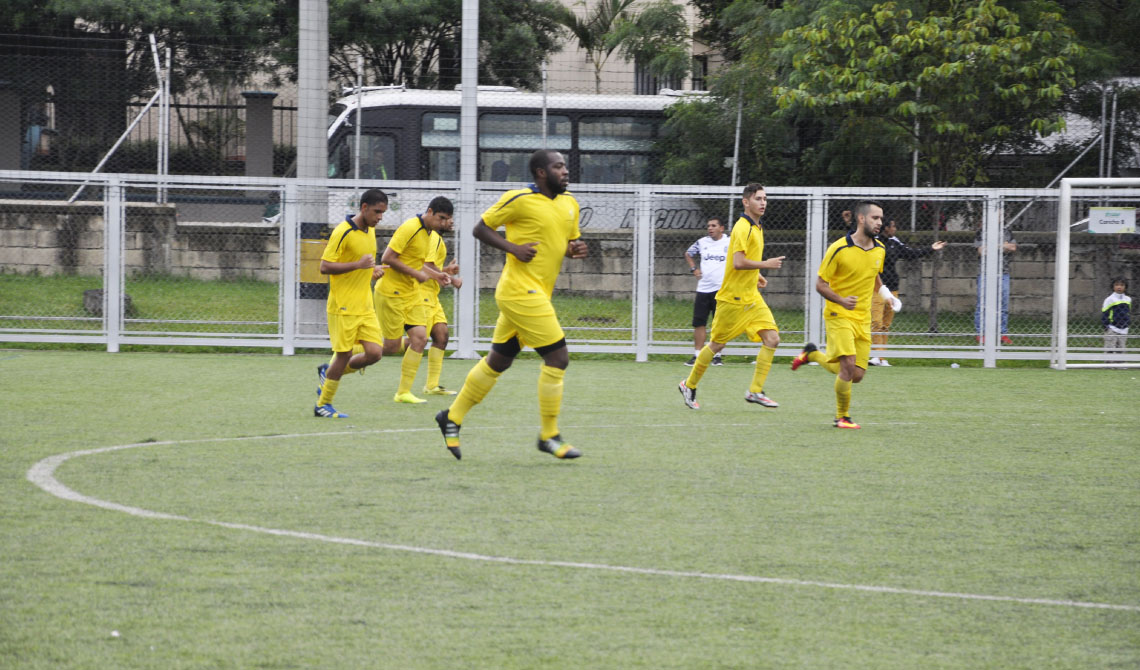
[437, 254]
[739, 286]
[411, 241]
[851, 270]
[529, 216]
[350, 293]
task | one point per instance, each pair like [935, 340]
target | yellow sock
[328, 391]
[702, 364]
[549, 400]
[435, 367]
[842, 398]
[408, 370]
[763, 366]
[821, 358]
[480, 380]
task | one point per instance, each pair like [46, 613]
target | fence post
[113, 263]
[289, 232]
[816, 245]
[1060, 344]
[991, 278]
[643, 279]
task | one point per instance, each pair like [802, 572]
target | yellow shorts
[532, 320]
[732, 321]
[435, 313]
[846, 337]
[397, 312]
[346, 330]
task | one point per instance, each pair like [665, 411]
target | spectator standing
[1008, 247]
[883, 311]
[1116, 314]
[706, 258]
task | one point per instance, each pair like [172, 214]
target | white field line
[42, 474]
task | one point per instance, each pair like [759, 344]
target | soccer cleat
[690, 395]
[407, 397]
[876, 361]
[1005, 339]
[760, 399]
[803, 356]
[692, 361]
[328, 411]
[717, 360]
[846, 422]
[884, 363]
[438, 390]
[450, 431]
[557, 448]
[321, 370]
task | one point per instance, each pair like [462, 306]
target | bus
[409, 134]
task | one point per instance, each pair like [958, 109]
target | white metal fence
[232, 262]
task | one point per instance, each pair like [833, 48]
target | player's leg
[342, 335]
[439, 336]
[879, 310]
[885, 321]
[702, 306]
[853, 349]
[728, 323]
[770, 338]
[762, 328]
[555, 359]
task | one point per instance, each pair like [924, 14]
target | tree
[95, 56]
[972, 77]
[417, 43]
[656, 35]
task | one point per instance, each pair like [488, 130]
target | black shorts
[704, 307]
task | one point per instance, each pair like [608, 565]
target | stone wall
[54, 238]
[48, 238]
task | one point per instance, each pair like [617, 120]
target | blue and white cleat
[328, 411]
[321, 371]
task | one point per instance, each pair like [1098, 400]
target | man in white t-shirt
[711, 251]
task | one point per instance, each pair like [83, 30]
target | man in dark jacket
[882, 312]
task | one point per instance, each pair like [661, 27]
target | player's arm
[490, 236]
[392, 259]
[576, 249]
[333, 268]
[823, 288]
[740, 261]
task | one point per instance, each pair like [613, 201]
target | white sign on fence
[1112, 219]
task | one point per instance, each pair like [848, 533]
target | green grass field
[980, 519]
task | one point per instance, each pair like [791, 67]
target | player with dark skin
[551, 180]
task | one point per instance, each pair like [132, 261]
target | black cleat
[557, 448]
[450, 431]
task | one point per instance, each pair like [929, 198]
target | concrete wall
[51, 238]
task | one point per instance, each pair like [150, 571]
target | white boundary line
[42, 474]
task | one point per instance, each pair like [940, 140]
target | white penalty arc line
[42, 474]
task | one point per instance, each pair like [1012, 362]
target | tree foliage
[974, 78]
[656, 35]
[417, 43]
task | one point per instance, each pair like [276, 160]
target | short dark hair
[373, 196]
[1120, 280]
[441, 205]
[539, 160]
[718, 219]
[751, 189]
[862, 208]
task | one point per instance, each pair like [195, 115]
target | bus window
[616, 133]
[523, 132]
[439, 137]
[504, 166]
[615, 168]
[377, 157]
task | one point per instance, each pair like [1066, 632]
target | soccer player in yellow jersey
[437, 317]
[350, 262]
[740, 310]
[541, 225]
[848, 277]
[401, 305]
